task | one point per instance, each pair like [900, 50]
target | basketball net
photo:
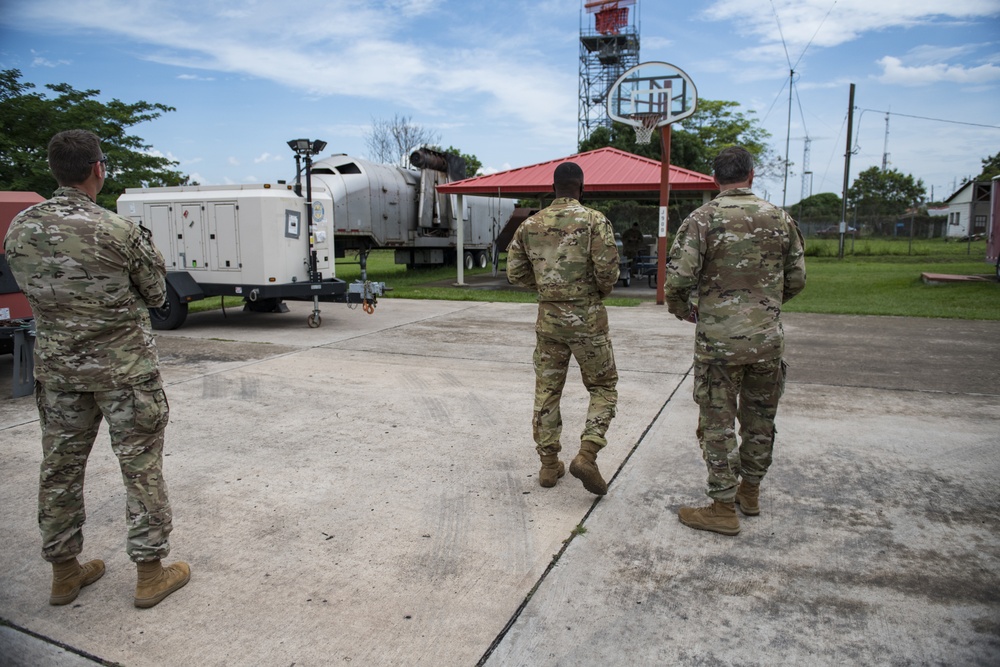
[645, 123]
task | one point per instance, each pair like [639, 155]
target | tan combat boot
[718, 517]
[69, 577]
[747, 496]
[584, 468]
[157, 582]
[552, 470]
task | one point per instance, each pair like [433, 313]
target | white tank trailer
[255, 241]
[382, 206]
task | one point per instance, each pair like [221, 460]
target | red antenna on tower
[610, 15]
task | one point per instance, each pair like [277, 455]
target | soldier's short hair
[566, 177]
[72, 154]
[733, 165]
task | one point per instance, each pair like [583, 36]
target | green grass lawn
[876, 277]
[418, 283]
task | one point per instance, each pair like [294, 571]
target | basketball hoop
[651, 95]
[644, 124]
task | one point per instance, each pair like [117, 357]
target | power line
[940, 120]
[814, 34]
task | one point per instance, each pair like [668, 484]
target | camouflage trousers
[137, 417]
[748, 393]
[567, 329]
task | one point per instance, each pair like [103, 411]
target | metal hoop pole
[661, 242]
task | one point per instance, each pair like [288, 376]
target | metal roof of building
[607, 172]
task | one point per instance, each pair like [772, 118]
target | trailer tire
[171, 314]
[482, 259]
[314, 321]
[470, 261]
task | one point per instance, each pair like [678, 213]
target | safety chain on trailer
[366, 305]
[368, 299]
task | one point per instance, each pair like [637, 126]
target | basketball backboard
[651, 95]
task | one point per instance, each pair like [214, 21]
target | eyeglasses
[103, 160]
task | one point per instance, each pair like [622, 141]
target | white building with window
[969, 210]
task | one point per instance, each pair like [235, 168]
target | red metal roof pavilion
[609, 173]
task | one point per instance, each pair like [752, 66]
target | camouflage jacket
[89, 276]
[737, 258]
[566, 252]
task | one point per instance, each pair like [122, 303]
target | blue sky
[500, 79]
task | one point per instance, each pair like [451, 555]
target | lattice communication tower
[608, 47]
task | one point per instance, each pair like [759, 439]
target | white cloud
[233, 161]
[827, 24]
[364, 50]
[895, 72]
[486, 171]
[195, 77]
[41, 61]
[267, 157]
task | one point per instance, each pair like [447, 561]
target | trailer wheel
[470, 261]
[171, 314]
[314, 321]
[482, 259]
[627, 278]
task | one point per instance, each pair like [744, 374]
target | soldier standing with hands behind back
[90, 276]
[567, 253]
[733, 263]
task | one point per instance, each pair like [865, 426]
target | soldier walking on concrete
[90, 276]
[734, 261]
[567, 253]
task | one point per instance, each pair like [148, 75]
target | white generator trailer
[250, 241]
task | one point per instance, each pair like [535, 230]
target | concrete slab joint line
[383, 475]
[574, 533]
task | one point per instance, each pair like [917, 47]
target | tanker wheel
[314, 321]
[171, 314]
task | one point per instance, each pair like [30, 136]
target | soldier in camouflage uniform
[734, 261]
[90, 276]
[567, 253]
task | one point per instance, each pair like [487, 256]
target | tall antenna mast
[788, 136]
[885, 145]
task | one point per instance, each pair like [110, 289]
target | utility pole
[847, 173]
[806, 192]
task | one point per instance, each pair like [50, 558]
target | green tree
[472, 164]
[822, 207]
[697, 139]
[29, 119]
[991, 168]
[880, 196]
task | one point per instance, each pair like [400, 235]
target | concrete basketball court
[366, 493]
